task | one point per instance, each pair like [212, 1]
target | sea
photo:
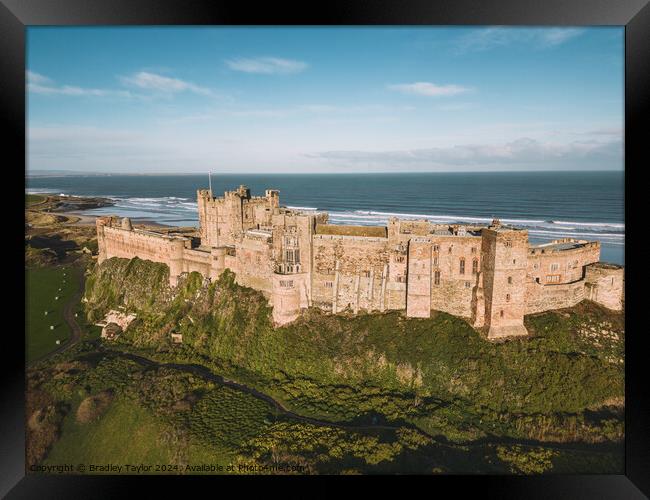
[550, 205]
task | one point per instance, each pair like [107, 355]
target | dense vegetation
[163, 415]
[563, 384]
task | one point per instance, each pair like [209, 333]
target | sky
[324, 99]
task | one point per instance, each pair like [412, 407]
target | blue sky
[145, 100]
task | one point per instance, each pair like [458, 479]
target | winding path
[204, 372]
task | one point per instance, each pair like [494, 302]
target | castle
[490, 275]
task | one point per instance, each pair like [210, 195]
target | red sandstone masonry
[490, 275]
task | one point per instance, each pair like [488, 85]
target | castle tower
[285, 298]
[503, 269]
[418, 286]
[175, 261]
[273, 197]
[206, 211]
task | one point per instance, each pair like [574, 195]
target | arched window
[507, 297]
[475, 266]
[462, 265]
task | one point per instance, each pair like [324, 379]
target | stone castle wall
[489, 275]
[540, 298]
[568, 265]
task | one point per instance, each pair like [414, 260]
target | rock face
[491, 275]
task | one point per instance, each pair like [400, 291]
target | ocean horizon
[549, 204]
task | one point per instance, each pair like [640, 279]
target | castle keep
[490, 275]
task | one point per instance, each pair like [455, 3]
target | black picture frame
[16, 15]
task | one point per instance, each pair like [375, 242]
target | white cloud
[557, 36]
[522, 152]
[40, 84]
[490, 38]
[267, 65]
[37, 78]
[152, 81]
[428, 89]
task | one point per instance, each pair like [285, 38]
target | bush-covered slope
[438, 373]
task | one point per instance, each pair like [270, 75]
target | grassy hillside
[94, 406]
[563, 384]
[43, 286]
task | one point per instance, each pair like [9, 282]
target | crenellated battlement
[488, 274]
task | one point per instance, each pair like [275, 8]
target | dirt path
[208, 374]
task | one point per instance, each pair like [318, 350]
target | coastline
[89, 220]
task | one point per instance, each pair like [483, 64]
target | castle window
[366, 274]
[436, 248]
[509, 280]
[507, 297]
[475, 266]
[286, 283]
[401, 279]
[468, 284]
[462, 265]
[451, 248]
[436, 278]
[435, 260]
[292, 256]
[501, 313]
[329, 284]
[507, 243]
[552, 278]
[473, 249]
[555, 267]
[399, 258]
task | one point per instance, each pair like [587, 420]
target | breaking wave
[174, 210]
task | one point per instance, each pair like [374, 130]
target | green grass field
[31, 199]
[130, 434]
[42, 286]
[125, 434]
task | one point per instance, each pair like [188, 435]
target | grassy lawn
[42, 286]
[125, 434]
[31, 199]
[129, 434]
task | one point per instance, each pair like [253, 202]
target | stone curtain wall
[540, 298]
[605, 284]
[568, 264]
[488, 275]
[349, 272]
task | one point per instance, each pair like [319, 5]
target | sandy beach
[89, 220]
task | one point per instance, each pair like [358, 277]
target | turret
[285, 298]
[177, 247]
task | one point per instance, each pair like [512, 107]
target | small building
[177, 338]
